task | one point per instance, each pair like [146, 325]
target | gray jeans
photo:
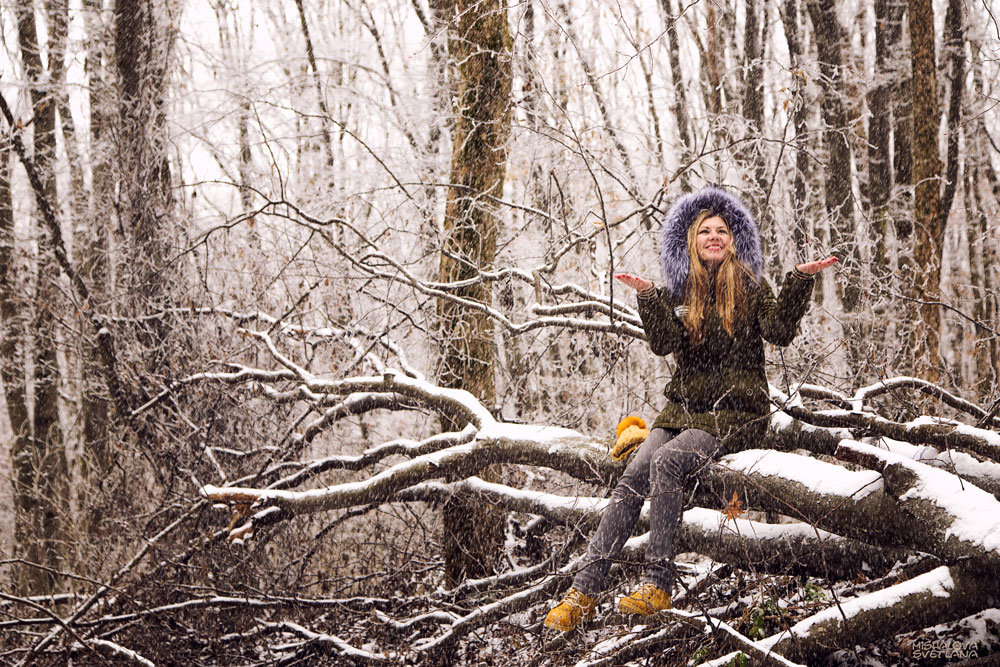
[660, 470]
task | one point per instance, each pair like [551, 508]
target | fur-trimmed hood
[674, 261]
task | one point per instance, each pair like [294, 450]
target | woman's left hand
[811, 268]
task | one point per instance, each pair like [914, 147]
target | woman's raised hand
[635, 282]
[810, 268]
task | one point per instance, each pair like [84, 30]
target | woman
[713, 315]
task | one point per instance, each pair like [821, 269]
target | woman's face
[712, 240]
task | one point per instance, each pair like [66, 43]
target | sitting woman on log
[713, 315]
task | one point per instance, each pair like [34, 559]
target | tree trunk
[839, 198]
[320, 97]
[143, 37]
[902, 115]
[92, 241]
[58, 20]
[800, 232]
[41, 478]
[879, 128]
[837, 184]
[985, 378]
[753, 89]
[714, 61]
[142, 45]
[954, 28]
[480, 45]
[680, 105]
[753, 112]
[14, 314]
[981, 177]
[928, 224]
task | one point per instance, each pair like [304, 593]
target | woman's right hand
[635, 282]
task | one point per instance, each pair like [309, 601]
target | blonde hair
[730, 286]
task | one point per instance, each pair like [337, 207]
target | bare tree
[41, 485]
[928, 237]
[480, 46]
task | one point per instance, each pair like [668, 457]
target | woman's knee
[696, 439]
[667, 461]
[629, 491]
[685, 452]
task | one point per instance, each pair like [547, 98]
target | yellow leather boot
[575, 607]
[645, 600]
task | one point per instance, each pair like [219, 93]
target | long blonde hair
[730, 286]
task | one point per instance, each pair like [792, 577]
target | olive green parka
[720, 385]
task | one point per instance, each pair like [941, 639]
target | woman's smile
[712, 240]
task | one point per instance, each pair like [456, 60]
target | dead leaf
[734, 509]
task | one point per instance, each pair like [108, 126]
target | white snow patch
[550, 501]
[532, 432]
[781, 420]
[976, 628]
[817, 476]
[781, 399]
[711, 520]
[964, 464]
[928, 420]
[992, 437]
[937, 582]
[976, 512]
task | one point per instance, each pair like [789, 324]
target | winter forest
[310, 350]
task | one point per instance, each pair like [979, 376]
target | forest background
[249, 250]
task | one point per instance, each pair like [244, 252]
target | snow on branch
[945, 592]
[892, 385]
[797, 548]
[330, 642]
[936, 431]
[949, 517]
[371, 456]
[782, 548]
[119, 650]
[556, 448]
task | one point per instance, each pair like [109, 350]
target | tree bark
[146, 276]
[879, 136]
[14, 314]
[91, 239]
[480, 45]
[839, 197]
[837, 183]
[800, 231]
[680, 105]
[41, 479]
[983, 253]
[320, 97]
[714, 61]
[142, 44]
[902, 116]
[928, 224]
[753, 107]
[954, 28]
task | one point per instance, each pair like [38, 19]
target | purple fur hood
[673, 236]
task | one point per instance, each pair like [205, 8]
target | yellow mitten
[632, 432]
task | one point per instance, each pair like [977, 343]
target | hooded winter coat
[720, 385]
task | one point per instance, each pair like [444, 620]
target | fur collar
[673, 235]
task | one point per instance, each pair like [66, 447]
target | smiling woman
[712, 238]
[714, 315]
